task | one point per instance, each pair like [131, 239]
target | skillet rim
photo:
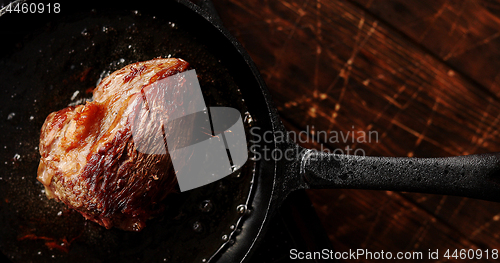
[275, 196]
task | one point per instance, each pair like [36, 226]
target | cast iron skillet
[44, 64]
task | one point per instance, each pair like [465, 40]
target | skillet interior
[44, 64]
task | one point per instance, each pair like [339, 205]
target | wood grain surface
[425, 75]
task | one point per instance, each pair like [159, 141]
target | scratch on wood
[467, 49]
[458, 208]
[417, 134]
[428, 123]
[458, 15]
[378, 215]
[484, 226]
[433, 21]
[423, 230]
[281, 53]
[346, 69]
[318, 46]
[478, 142]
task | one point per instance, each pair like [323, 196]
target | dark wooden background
[424, 74]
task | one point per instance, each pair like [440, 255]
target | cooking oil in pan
[59, 66]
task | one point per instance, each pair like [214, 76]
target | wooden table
[425, 75]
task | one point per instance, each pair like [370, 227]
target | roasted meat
[89, 160]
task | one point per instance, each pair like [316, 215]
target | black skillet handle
[475, 176]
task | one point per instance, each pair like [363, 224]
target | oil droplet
[232, 227]
[75, 94]
[248, 118]
[206, 206]
[197, 227]
[136, 226]
[241, 209]
[85, 33]
[103, 75]
[224, 237]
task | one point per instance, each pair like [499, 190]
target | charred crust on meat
[89, 160]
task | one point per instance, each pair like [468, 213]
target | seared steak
[88, 157]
